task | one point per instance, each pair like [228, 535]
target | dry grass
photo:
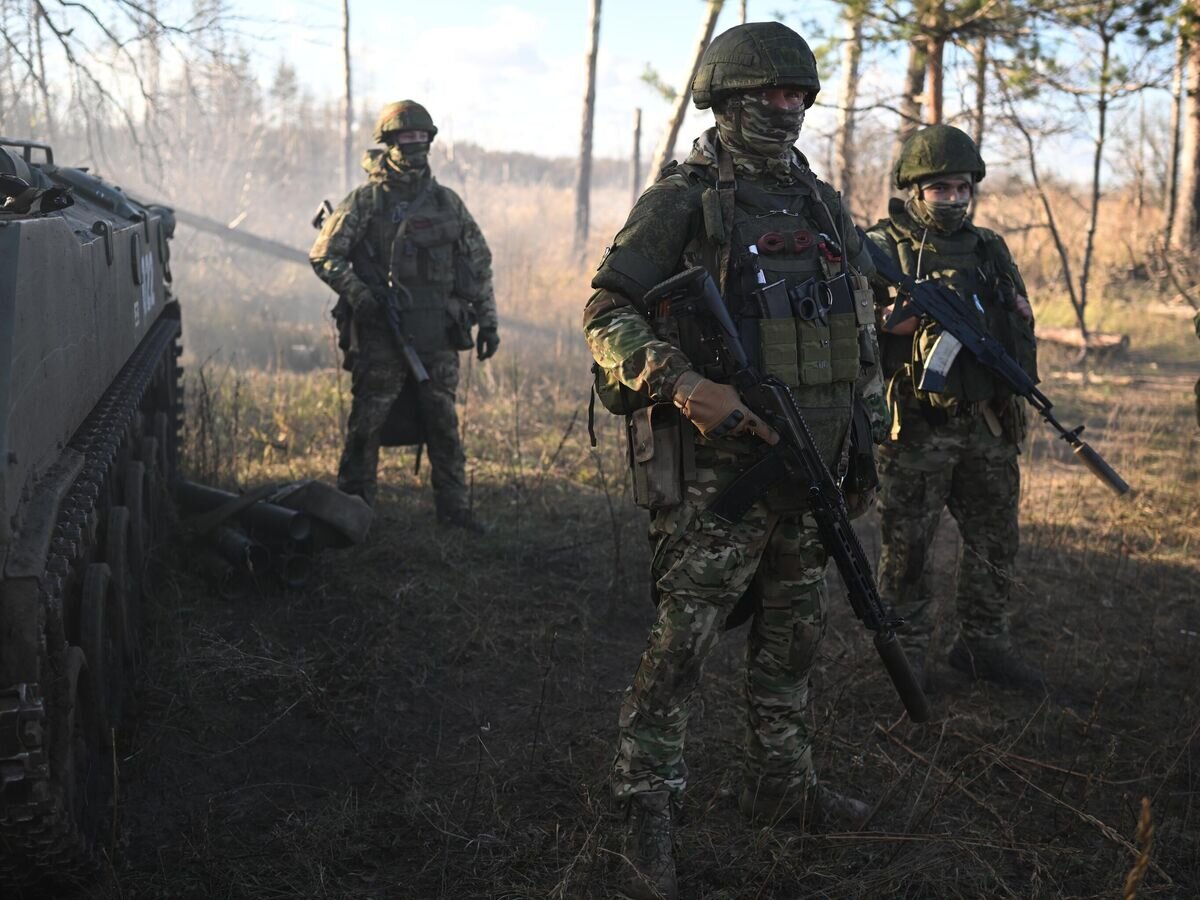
[434, 717]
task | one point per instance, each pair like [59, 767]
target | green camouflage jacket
[353, 221]
[659, 239]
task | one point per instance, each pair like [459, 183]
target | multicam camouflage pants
[379, 377]
[701, 567]
[961, 466]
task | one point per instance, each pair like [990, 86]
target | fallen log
[1100, 343]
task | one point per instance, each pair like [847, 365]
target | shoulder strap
[727, 199]
[401, 217]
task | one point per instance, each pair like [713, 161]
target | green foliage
[654, 81]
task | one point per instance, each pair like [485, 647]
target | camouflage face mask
[407, 157]
[750, 124]
[942, 216]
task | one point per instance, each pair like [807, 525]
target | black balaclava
[408, 157]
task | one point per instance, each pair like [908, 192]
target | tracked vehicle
[90, 411]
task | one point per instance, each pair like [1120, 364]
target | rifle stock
[940, 303]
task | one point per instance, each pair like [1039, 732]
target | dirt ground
[433, 716]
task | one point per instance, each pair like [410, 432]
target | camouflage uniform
[444, 264]
[957, 449]
[702, 566]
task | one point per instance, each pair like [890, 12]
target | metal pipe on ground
[293, 569]
[237, 549]
[278, 521]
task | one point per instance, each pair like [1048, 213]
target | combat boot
[648, 847]
[818, 807]
[999, 664]
[461, 518]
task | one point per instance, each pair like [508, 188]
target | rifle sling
[400, 220]
[744, 491]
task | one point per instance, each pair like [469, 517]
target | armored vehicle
[90, 409]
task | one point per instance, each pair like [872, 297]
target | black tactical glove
[487, 343]
[364, 303]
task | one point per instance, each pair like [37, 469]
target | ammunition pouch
[462, 318]
[661, 454]
[1014, 421]
[615, 396]
[343, 320]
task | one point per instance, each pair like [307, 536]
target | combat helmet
[937, 150]
[404, 115]
[757, 55]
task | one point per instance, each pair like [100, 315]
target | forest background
[463, 741]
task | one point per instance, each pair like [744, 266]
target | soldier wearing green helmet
[421, 240]
[956, 448]
[745, 205]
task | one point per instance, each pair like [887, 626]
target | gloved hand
[487, 343]
[364, 303]
[717, 410]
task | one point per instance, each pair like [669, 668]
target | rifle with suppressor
[798, 458]
[374, 276]
[960, 331]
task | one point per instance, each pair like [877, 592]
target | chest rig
[961, 260]
[418, 238]
[778, 256]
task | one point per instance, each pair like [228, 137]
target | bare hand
[1023, 307]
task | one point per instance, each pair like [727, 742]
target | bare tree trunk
[153, 58]
[934, 75]
[743, 4]
[583, 185]
[980, 52]
[348, 103]
[843, 150]
[635, 160]
[1031, 157]
[666, 146]
[910, 109]
[933, 28]
[1183, 108]
[1139, 184]
[1102, 101]
[43, 85]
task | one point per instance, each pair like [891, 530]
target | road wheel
[126, 603]
[102, 642]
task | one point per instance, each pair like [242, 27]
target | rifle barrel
[1097, 466]
[911, 693]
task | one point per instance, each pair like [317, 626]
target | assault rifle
[960, 331]
[797, 458]
[376, 278]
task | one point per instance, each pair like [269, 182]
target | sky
[509, 76]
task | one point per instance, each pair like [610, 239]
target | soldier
[429, 249]
[744, 203]
[957, 448]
